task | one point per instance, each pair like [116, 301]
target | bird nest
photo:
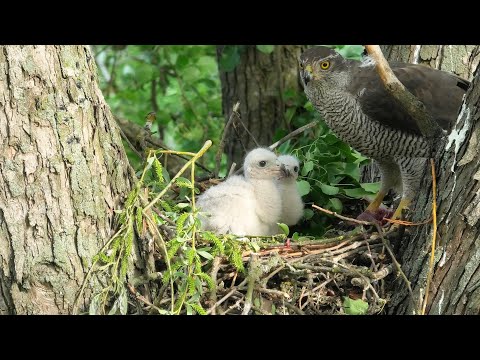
[337, 275]
[341, 274]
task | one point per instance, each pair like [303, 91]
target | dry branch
[415, 108]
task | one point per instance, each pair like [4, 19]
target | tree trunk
[63, 170]
[455, 287]
[461, 60]
[258, 82]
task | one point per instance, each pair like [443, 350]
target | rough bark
[63, 170]
[258, 82]
[455, 287]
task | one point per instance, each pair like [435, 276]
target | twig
[221, 146]
[294, 308]
[409, 102]
[394, 260]
[252, 277]
[383, 273]
[142, 298]
[341, 217]
[230, 293]
[248, 131]
[292, 134]
[434, 237]
[134, 149]
[213, 291]
[272, 292]
[232, 169]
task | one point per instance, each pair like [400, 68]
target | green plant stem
[202, 151]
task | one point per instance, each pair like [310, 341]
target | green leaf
[335, 205]
[357, 193]
[371, 187]
[205, 254]
[295, 236]
[289, 114]
[157, 166]
[184, 183]
[284, 228]
[329, 190]
[307, 167]
[182, 61]
[229, 58]
[308, 214]
[255, 246]
[267, 49]
[354, 307]
[303, 187]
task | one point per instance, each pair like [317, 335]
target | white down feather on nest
[292, 204]
[245, 205]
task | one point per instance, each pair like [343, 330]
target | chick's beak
[285, 171]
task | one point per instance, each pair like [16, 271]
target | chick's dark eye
[262, 163]
[295, 169]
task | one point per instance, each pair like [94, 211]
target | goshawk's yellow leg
[375, 204]
[404, 203]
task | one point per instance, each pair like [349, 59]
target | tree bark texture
[258, 82]
[455, 287]
[63, 170]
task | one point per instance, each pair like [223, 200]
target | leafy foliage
[179, 83]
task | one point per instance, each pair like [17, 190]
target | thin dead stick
[134, 149]
[394, 260]
[252, 277]
[142, 298]
[292, 134]
[230, 293]
[294, 308]
[232, 169]
[213, 292]
[272, 292]
[248, 132]
[407, 223]
[231, 307]
[383, 273]
[434, 237]
[409, 102]
[341, 217]
[280, 268]
[221, 146]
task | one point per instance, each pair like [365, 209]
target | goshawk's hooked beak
[306, 75]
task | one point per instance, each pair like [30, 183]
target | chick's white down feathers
[292, 204]
[248, 204]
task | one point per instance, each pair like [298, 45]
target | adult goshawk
[355, 105]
